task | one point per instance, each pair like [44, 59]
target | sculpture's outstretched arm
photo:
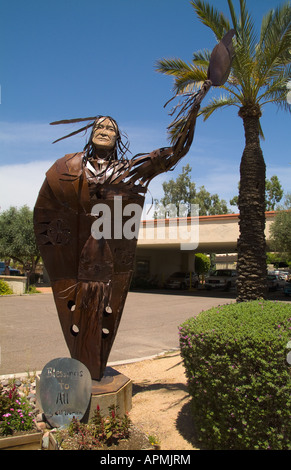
[146, 167]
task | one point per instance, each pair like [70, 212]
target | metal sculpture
[90, 276]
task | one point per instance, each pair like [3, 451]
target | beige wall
[214, 234]
[217, 234]
[16, 283]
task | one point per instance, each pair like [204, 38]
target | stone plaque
[65, 390]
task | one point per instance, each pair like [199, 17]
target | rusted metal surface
[90, 277]
[221, 59]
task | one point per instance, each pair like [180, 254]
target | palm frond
[191, 80]
[243, 67]
[233, 15]
[266, 23]
[174, 67]
[188, 77]
[202, 58]
[273, 50]
[217, 103]
[211, 18]
[233, 90]
[261, 132]
[246, 31]
[276, 26]
[246, 40]
[276, 91]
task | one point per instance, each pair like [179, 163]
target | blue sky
[62, 59]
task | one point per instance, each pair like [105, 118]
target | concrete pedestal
[114, 389]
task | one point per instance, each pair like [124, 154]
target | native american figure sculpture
[90, 275]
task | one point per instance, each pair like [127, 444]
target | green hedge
[4, 288]
[235, 358]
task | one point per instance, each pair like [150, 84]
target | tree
[177, 192]
[280, 230]
[181, 193]
[279, 260]
[202, 263]
[274, 194]
[17, 240]
[259, 74]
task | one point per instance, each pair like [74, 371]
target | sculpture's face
[104, 134]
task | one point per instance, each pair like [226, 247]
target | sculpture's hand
[182, 128]
[221, 60]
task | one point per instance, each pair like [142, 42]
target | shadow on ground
[150, 387]
[217, 293]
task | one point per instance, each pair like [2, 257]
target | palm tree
[259, 75]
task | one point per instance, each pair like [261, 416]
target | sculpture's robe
[90, 277]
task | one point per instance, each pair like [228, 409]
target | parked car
[274, 282]
[181, 280]
[221, 279]
[283, 275]
[2, 267]
[12, 271]
[287, 286]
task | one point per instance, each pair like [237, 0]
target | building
[168, 245]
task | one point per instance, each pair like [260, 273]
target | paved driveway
[30, 333]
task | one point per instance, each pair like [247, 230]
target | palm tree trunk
[251, 265]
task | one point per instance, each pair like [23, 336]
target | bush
[32, 289]
[202, 263]
[4, 288]
[238, 375]
[16, 413]
[100, 432]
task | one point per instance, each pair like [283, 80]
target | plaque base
[113, 390]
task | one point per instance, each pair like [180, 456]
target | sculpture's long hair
[118, 152]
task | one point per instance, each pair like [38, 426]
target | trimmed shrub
[235, 357]
[4, 288]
